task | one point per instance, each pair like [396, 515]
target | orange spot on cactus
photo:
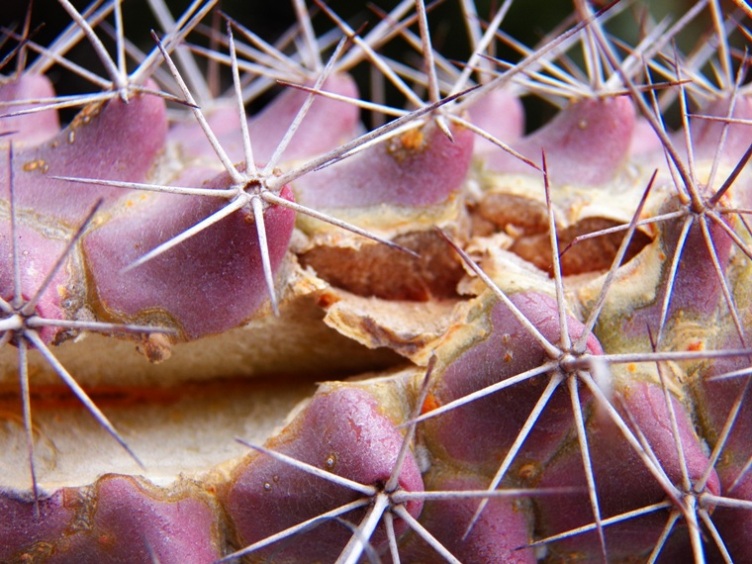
[430, 404]
[528, 471]
[39, 164]
[696, 346]
[87, 114]
[412, 140]
[106, 540]
[401, 146]
[326, 299]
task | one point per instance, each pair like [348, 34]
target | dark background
[528, 21]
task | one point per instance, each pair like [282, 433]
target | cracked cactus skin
[273, 312]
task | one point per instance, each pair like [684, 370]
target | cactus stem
[576, 384]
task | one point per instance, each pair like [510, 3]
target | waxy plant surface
[352, 293]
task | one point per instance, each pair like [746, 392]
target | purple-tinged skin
[328, 124]
[419, 167]
[586, 144]
[645, 141]
[212, 282]
[696, 289]
[23, 535]
[126, 522]
[706, 138]
[715, 401]
[38, 255]
[343, 431]
[109, 140]
[480, 433]
[500, 535]
[734, 524]
[116, 520]
[224, 121]
[697, 285]
[39, 252]
[623, 482]
[707, 134]
[32, 128]
[501, 114]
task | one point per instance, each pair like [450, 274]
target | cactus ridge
[528, 345]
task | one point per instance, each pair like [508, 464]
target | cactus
[243, 325]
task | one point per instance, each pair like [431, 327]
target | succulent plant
[239, 324]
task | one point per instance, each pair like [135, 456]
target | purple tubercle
[499, 535]
[623, 481]
[109, 140]
[128, 523]
[501, 114]
[480, 433]
[31, 128]
[418, 167]
[327, 124]
[343, 432]
[586, 144]
[211, 282]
